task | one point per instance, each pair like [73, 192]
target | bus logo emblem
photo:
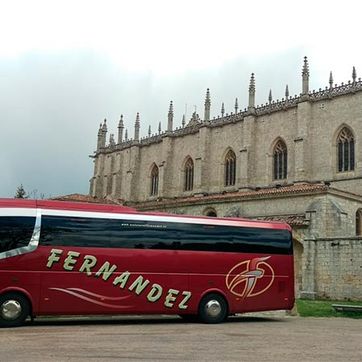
[250, 278]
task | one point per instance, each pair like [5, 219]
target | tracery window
[280, 158]
[345, 149]
[154, 181]
[189, 175]
[230, 168]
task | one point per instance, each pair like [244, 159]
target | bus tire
[213, 308]
[14, 309]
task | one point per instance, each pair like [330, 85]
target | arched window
[210, 211]
[280, 158]
[359, 222]
[345, 149]
[189, 175]
[154, 181]
[230, 168]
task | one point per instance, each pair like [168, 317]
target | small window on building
[345, 150]
[154, 181]
[189, 175]
[230, 168]
[280, 159]
[359, 222]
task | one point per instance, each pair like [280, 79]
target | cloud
[67, 65]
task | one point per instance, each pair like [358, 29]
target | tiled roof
[84, 198]
[293, 220]
[276, 191]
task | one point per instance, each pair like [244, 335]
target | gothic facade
[297, 160]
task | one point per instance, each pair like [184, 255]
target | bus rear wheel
[213, 308]
[14, 309]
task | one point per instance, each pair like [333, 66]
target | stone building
[298, 160]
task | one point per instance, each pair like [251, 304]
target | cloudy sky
[67, 65]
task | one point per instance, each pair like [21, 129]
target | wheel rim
[10, 309]
[213, 308]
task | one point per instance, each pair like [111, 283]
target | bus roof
[111, 208]
[65, 205]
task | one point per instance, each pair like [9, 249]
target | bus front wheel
[213, 308]
[14, 309]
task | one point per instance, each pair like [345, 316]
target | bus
[71, 258]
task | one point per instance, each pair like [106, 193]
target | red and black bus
[70, 258]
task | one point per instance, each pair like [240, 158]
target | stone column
[301, 142]
[247, 153]
[242, 179]
[202, 163]
[131, 185]
[165, 168]
[197, 175]
[308, 289]
[120, 175]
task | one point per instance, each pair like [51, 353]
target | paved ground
[246, 338]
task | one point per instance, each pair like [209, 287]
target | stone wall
[332, 268]
[328, 253]
[309, 130]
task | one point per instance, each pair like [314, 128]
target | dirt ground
[156, 338]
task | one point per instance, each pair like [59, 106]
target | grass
[323, 308]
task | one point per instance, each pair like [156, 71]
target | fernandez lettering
[139, 285]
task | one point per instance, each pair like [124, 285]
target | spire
[270, 98]
[354, 75]
[222, 109]
[330, 80]
[159, 128]
[286, 92]
[149, 131]
[195, 119]
[120, 129]
[111, 139]
[170, 118]
[207, 106]
[104, 127]
[99, 137]
[252, 92]
[137, 128]
[183, 121]
[305, 77]
[104, 133]
[120, 123]
[236, 106]
[126, 135]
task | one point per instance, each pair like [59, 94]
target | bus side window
[74, 231]
[15, 232]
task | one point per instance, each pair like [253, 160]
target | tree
[20, 193]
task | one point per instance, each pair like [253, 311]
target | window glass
[280, 161]
[189, 175]
[154, 181]
[15, 231]
[345, 148]
[115, 233]
[230, 166]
